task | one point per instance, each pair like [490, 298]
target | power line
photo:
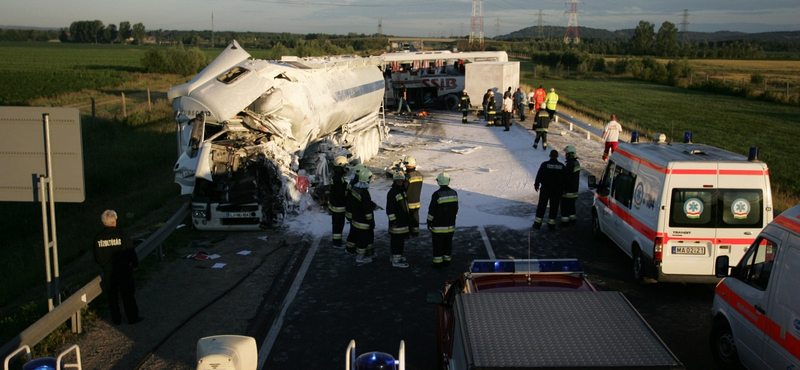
[685, 26]
[572, 26]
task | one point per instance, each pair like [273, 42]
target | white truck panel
[482, 76]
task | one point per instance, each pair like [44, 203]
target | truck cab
[756, 308]
[540, 313]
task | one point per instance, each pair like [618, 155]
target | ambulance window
[622, 190]
[605, 182]
[741, 208]
[756, 266]
[692, 208]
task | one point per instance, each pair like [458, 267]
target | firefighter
[491, 114]
[463, 105]
[413, 190]
[541, 123]
[363, 222]
[486, 103]
[397, 212]
[338, 200]
[551, 102]
[550, 178]
[348, 213]
[442, 215]
[572, 179]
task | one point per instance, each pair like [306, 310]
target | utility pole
[540, 23]
[572, 26]
[212, 30]
[685, 26]
[477, 22]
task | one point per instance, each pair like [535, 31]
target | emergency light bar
[533, 266]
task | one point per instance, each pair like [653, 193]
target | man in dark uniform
[350, 245]
[413, 190]
[114, 252]
[397, 212]
[338, 200]
[572, 180]
[491, 113]
[442, 215]
[541, 125]
[486, 97]
[550, 178]
[464, 105]
[363, 222]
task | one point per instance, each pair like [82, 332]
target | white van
[675, 207]
[757, 307]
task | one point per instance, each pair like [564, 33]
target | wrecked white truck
[249, 129]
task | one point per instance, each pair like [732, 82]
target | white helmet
[443, 179]
[340, 161]
[409, 161]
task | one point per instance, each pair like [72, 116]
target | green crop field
[732, 123]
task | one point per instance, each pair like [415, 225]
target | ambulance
[756, 309]
[675, 207]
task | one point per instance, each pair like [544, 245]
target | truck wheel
[723, 346]
[451, 102]
[598, 234]
[638, 265]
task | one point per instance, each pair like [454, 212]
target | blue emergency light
[376, 361]
[634, 136]
[526, 266]
[687, 137]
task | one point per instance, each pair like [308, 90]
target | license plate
[689, 250]
[238, 214]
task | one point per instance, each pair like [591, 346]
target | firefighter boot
[361, 259]
[399, 261]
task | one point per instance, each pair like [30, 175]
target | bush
[757, 78]
[541, 71]
[176, 60]
[154, 61]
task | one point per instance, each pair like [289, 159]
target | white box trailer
[497, 76]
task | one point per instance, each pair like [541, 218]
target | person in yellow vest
[551, 101]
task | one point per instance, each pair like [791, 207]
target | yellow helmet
[409, 161]
[340, 161]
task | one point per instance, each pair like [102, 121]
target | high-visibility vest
[551, 100]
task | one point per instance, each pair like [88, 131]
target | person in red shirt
[538, 97]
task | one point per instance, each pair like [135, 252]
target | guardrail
[71, 307]
[583, 126]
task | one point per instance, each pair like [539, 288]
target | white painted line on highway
[276, 325]
[486, 242]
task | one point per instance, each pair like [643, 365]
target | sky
[441, 18]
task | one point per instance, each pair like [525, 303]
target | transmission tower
[477, 22]
[685, 26]
[540, 23]
[380, 26]
[497, 27]
[572, 26]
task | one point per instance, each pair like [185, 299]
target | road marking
[486, 242]
[276, 325]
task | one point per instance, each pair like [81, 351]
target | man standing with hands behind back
[114, 252]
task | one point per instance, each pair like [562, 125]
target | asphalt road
[378, 305]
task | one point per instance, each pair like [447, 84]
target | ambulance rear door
[690, 225]
[743, 198]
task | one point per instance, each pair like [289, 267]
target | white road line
[486, 242]
[276, 325]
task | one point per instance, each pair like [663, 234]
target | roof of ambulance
[664, 153]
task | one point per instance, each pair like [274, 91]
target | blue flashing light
[42, 363]
[634, 136]
[492, 266]
[687, 137]
[376, 361]
[560, 266]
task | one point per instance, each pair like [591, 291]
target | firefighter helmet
[365, 175]
[340, 161]
[543, 105]
[570, 151]
[409, 161]
[358, 168]
[443, 179]
[399, 176]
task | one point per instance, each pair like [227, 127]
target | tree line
[95, 32]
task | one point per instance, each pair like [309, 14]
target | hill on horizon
[586, 32]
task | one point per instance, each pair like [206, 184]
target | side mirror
[435, 298]
[721, 266]
[592, 182]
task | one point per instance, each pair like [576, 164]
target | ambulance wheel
[598, 234]
[638, 265]
[723, 346]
